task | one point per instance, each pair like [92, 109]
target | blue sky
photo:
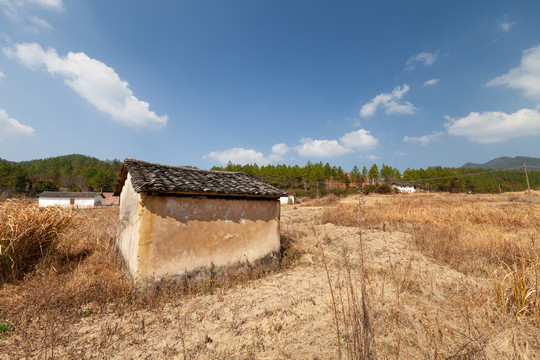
[405, 83]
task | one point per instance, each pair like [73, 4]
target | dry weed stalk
[27, 235]
[517, 290]
[358, 333]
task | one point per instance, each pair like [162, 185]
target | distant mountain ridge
[506, 162]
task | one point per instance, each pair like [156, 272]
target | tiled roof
[175, 179]
[69, 194]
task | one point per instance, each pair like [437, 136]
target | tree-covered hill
[507, 163]
[69, 172]
[435, 178]
[85, 173]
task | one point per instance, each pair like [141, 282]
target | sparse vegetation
[437, 275]
[28, 235]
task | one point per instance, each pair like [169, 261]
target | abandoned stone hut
[177, 221]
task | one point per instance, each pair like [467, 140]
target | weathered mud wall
[180, 235]
[127, 240]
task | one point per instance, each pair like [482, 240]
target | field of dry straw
[403, 276]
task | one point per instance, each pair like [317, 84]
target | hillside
[506, 162]
[73, 172]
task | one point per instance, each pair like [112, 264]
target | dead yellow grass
[490, 236]
[27, 235]
[472, 233]
[442, 276]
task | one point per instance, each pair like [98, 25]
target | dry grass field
[404, 276]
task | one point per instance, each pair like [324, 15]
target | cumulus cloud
[425, 58]
[495, 126]
[320, 148]
[391, 103]
[431, 82]
[359, 140]
[249, 156]
[10, 127]
[426, 139]
[93, 80]
[525, 77]
[354, 141]
[239, 156]
[280, 149]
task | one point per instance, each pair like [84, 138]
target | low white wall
[84, 202]
[409, 189]
[53, 201]
[286, 200]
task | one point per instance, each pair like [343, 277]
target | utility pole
[528, 186]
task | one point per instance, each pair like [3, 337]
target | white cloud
[40, 22]
[320, 148]
[426, 139]
[400, 153]
[359, 140]
[372, 157]
[425, 58]
[392, 103]
[431, 82]
[505, 25]
[10, 127]
[239, 156]
[93, 80]
[18, 11]
[494, 126]
[48, 4]
[2, 75]
[249, 156]
[280, 149]
[526, 76]
[51, 4]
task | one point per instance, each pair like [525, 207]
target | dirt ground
[419, 308]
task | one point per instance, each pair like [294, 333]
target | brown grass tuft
[326, 200]
[28, 235]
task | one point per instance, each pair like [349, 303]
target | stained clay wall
[179, 235]
[127, 240]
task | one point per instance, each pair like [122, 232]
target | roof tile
[175, 179]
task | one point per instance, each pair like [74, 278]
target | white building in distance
[70, 199]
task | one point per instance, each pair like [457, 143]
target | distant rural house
[70, 199]
[177, 221]
[109, 199]
[287, 199]
[404, 187]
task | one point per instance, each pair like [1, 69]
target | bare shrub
[27, 235]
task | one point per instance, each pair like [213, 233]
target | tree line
[84, 173]
[435, 178]
[69, 173]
